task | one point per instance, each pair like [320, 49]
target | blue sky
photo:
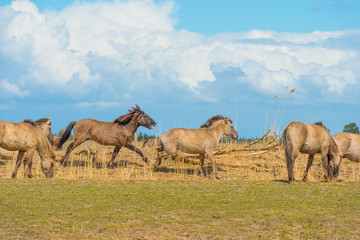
[182, 61]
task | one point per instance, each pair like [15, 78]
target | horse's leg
[28, 164]
[202, 158]
[135, 149]
[325, 164]
[114, 154]
[309, 163]
[20, 157]
[159, 156]
[71, 147]
[211, 157]
[290, 160]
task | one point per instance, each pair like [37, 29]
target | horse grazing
[310, 139]
[43, 125]
[196, 141]
[349, 145]
[25, 138]
[118, 133]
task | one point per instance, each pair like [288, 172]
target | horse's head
[47, 165]
[334, 163]
[334, 159]
[229, 130]
[146, 121]
[43, 125]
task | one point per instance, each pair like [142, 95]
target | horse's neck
[43, 146]
[218, 131]
[132, 126]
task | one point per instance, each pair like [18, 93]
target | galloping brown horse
[25, 138]
[196, 141]
[118, 133]
[310, 139]
[349, 145]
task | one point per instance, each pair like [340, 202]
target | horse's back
[187, 140]
[307, 138]
[17, 136]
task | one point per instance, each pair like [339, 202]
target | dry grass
[268, 165]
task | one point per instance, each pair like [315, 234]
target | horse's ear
[226, 120]
[48, 122]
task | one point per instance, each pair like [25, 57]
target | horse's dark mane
[126, 118]
[213, 119]
[37, 122]
[319, 123]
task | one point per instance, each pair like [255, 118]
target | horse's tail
[286, 141]
[66, 135]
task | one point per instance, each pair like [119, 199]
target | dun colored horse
[25, 138]
[310, 139]
[349, 145]
[118, 133]
[196, 141]
[43, 125]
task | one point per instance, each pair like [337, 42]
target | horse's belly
[190, 150]
[353, 154]
[309, 148]
[12, 146]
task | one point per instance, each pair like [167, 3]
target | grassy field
[206, 209]
[86, 200]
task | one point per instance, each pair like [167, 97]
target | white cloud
[136, 44]
[9, 89]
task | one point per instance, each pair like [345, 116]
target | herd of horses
[29, 136]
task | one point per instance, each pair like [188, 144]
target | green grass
[110, 209]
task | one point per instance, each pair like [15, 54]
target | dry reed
[89, 162]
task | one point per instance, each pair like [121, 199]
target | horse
[25, 138]
[196, 141]
[118, 133]
[349, 145]
[311, 139]
[43, 125]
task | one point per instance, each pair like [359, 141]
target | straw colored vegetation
[89, 162]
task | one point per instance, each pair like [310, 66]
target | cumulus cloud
[8, 89]
[132, 46]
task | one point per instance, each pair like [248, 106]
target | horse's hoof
[30, 176]
[305, 180]
[291, 181]
[217, 176]
[13, 176]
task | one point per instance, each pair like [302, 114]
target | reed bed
[89, 162]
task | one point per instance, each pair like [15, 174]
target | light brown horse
[311, 139]
[118, 133]
[43, 125]
[196, 141]
[25, 138]
[349, 145]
